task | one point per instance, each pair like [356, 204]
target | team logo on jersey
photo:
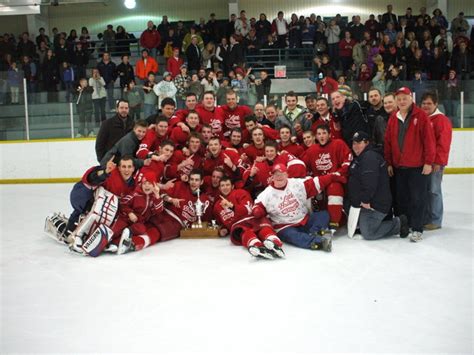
[324, 162]
[233, 121]
[289, 204]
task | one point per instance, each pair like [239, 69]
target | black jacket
[369, 181]
[352, 119]
[111, 130]
[377, 120]
[127, 145]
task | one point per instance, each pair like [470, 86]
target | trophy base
[199, 233]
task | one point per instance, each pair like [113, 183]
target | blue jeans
[434, 205]
[302, 236]
[148, 110]
[372, 225]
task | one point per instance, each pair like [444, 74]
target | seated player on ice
[180, 209]
[233, 211]
[138, 217]
[284, 202]
[95, 201]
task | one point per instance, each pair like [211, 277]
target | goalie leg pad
[98, 240]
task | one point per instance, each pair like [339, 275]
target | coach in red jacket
[443, 134]
[410, 152]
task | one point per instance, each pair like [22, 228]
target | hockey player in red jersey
[183, 161]
[258, 176]
[211, 184]
[255, 151]
[227, 159]
[207, 112]
[235, 141]
[180, 210]
[250, 123]
[153, 138]
[287, 145]
[233, 211]
[328, 157]
[180, 134]
[180, 115]
[284, 202]
[232, 115]
[135, 227]
[159, 161]
[308, 139]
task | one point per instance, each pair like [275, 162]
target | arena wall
[49, 161]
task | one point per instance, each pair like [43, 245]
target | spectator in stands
[50, 76]
[6, 46]
[84, 108]
[108, 71]
[357, 29]
[188, 39]
[71, 40]
[263, 27]
[242, 25]
[230, 27]
[99, 95]
[433, 218]
[26, 47]
[409, 19]
[163, 29]
[165, 88]
[150, 99]
[389, 16]
[123, 39]
[135, 100]
[80, 59]
[150, 39]
[42, 37]
[208, 56]
[423, 15]
[222, 55]
[85, 39]
[280, 30]
[68, 79]
[410, 149]
[452, 94]
[112, 129]
[326, 84]
[144, 66]
[212, 28]
[30, 73]
[372, 26]
[181, 81]
[236, 53]
[263, 86]
[193, 55]
[125, 72]
[418, 86]
[174, 63]
[109, 40]
[346, 46]
[210, 83]
[14, 81]
[294, 32]
[252, 46]
[462, 62]
[332, 33]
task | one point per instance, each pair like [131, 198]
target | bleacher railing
[42, 115]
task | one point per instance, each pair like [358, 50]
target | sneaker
[260, 252]
[416, 236]
[325, 244]
[275, 250]
[431, 227]
[125, 242]
[404, 229]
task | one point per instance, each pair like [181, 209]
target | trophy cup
[200, 229]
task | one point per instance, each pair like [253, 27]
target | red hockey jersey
[142, 205]
[211, 118]
[335, 156]
[232, 118]
[150, 143]
[242, 209]
[172, 171]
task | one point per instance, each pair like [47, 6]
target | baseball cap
[403, 90]
[166, 73]
[183, 66]
[279, 167]
[360, 136]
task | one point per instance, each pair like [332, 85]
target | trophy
[200, 229]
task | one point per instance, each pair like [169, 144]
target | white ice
[211, 297]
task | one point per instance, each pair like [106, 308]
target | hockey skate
[125, 244]
[55, 226]
[274, 249]
[416, 237]
[325, 244]
[260, 252]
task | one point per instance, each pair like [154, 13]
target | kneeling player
[233, 211]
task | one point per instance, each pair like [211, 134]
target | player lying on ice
[233, 211]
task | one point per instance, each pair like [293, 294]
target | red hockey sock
[249, 238]
[335, 211]
[269, 233]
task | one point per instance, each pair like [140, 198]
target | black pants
[412, 194]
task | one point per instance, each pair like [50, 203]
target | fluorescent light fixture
[130, 4]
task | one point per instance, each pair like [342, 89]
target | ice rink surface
[207, 296]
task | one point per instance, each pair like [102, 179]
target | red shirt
[142, 205]
[335, 156]
[174, 66]
[330, 86]
[292, 148]
[335, 131]
[150, 143]
[242, 202]
[232, 118]
[210, 163]
[211, 118]
[345, 48]
[443, 132]
[173, 172]
[419, 146]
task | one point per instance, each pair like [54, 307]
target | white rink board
[70, 159]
